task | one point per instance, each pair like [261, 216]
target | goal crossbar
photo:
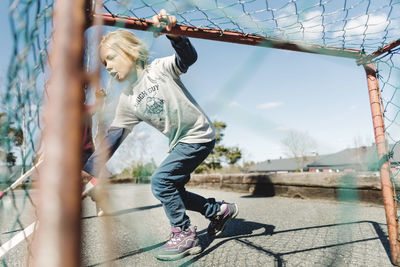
[227, 36]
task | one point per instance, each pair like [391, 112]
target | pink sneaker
[180, 244]
[218, 222]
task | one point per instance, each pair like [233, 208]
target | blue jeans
[168, 184]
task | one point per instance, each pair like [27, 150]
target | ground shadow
[383, 238]
[128, 254]
[126, 211]
[263, 187]
[241, 230]
[236, 229]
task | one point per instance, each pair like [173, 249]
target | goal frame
[74, 17]
[366, 60]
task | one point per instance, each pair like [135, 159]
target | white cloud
[284, 17]
[312, 24]
[368, 24]
[308, 26]
[269, 105]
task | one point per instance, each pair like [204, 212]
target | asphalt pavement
[269, 231]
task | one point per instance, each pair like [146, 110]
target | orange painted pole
[385, 49]
[58, 240]
[387, 186]
[227, 36]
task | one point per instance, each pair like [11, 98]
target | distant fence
[349, 186]
[346, 186]
[130, 179]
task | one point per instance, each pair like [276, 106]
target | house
[395, 159]
[280, 165]
[351, 159]
[363, 158]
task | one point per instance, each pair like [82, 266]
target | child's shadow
[235, 229]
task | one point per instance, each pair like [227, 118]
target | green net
[388, 66]
[363, 25]
[20, 112]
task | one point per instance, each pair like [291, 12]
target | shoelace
[173, 237]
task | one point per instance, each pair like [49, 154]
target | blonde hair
[129, 44]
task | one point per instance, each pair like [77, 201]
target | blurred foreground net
[365, 30]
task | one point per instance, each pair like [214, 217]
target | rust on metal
[365, 59]
[387, 187]
[58, 242]
[229, 36]
[385, 49]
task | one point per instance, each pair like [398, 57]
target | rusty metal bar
[365, 59]
[387, 187]
[58, 240]
[383, 50]
[228, 36]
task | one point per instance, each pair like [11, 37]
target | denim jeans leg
[169, 179]
[207, 207]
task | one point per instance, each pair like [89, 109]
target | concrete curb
[348, 186]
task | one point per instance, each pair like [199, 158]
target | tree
[221, 154]
[299, 145]
[10, 137]
[144, 170]
[233, 155]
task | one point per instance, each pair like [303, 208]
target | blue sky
[324, 96]
[260, 93]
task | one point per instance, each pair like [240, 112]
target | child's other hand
[163, 20]
[100, 93]
[100, 99]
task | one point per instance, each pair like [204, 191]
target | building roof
[361, 158]
[278, 165]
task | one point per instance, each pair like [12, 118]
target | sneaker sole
[190, 251]
[233, 217]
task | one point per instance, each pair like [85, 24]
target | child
[88, 145]
[157, 96]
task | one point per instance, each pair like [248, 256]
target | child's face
[116, 62]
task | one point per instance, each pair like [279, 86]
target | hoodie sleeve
[186, 55]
